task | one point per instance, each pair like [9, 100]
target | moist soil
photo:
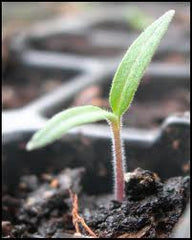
[41, 207]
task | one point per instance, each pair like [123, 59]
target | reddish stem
[118, 161]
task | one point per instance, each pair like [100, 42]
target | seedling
[124, 86]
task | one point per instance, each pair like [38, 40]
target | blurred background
[24, 14]
[48, 44]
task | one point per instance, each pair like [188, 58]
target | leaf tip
[171, 12]
[30, 146]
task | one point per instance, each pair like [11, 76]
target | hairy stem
[118, 160]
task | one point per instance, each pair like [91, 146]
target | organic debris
[77, 219]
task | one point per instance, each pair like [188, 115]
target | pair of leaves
[124, 86]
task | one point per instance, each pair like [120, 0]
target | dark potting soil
[42, 207]
[151, 208]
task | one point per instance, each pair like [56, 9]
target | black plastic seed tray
[88, 59]
[51, 76]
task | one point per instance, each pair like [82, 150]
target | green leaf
[64, 121]
[134, 63]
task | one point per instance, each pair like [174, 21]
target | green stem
[118, 160]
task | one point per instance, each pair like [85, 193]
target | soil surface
[42, 207]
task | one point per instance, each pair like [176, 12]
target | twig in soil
[76, 218]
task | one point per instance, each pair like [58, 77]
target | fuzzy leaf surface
[64, 121]
[134, 63]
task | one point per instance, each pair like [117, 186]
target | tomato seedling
[124, 86]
